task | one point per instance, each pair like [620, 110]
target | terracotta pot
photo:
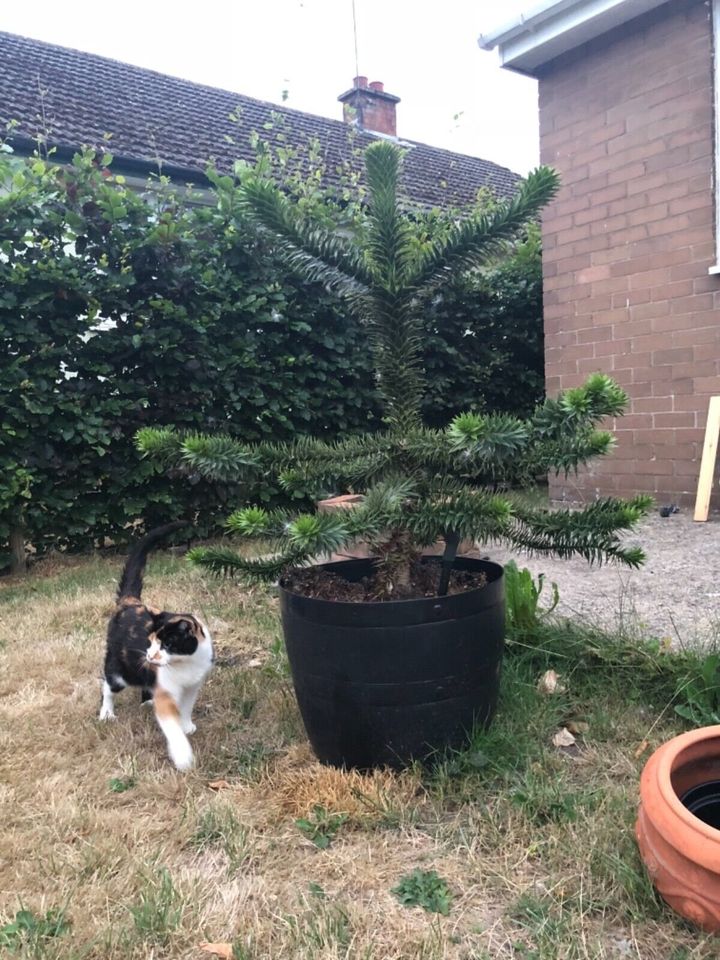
[680, 851]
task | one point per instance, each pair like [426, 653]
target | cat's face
[175, 635]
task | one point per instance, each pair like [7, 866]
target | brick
[669, 291]
[611, 347]
[671, 324]
[654, 405]
[648, 278]
[593, 335]
[678, 451]
[709, 385]
[593, 215]
[653, 467]
[591, 365]
[650, 311]
[674, 419]
[673, 355]
[607, 224]
[628, 204]
[613, 285]
[630, 298]
[706, 351]
[692, 304]
[705, 284]
[608, 194]
[626, 172]
[634, 327]
[696, 337]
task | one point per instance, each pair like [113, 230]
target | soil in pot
[324, 584]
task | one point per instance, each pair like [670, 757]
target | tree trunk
[18, 559]
[452, 542]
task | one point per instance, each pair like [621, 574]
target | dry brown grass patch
[298, 783]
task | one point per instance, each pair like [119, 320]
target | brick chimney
[367, 106]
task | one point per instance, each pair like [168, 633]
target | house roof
[78, 97]
[552, 27]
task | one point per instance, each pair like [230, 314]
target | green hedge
[119, 310]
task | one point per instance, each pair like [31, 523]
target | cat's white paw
[189, 728]
[181, 755]
[106, 713]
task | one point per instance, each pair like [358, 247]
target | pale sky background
[454, 95]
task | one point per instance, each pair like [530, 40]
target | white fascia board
[554, 27]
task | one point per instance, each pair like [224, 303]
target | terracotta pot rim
[668, 756]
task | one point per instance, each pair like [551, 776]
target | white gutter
[553, 27]
[529, 20]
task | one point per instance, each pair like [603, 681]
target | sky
[453, 94]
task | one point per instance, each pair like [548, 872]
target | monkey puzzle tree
[420, 485]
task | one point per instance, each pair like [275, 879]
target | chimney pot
[369, 107]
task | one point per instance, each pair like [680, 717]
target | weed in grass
[323, 927]
[321, 826]
[244, 949]
[121, 784]
[315, 890]
[546, 798]
[278, 665]
[545, 922]
[618, 879]
[158, 911]
[219, 827]
[251, 761]
[522, 600]
[244, 694]
[424, 888]
[385, 811]
[30, 932]
[700, 694]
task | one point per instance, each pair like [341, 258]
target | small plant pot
[382, 684]
[680, 846]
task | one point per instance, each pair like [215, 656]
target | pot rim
[669, 754]
[380, 604]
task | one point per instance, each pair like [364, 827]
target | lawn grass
[107, 852]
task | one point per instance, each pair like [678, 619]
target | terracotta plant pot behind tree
[679, 848]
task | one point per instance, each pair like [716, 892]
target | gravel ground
[676, 594]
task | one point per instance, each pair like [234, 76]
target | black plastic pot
[381, 684]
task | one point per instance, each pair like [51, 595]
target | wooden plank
[707, 464]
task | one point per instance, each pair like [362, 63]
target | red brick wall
[627, 120]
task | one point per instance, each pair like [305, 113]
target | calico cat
[167, 655]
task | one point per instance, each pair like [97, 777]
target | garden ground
[675, 594]
[535, 843]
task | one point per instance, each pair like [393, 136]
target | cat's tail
[131, 580]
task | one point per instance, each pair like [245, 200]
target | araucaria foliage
[420, 484]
